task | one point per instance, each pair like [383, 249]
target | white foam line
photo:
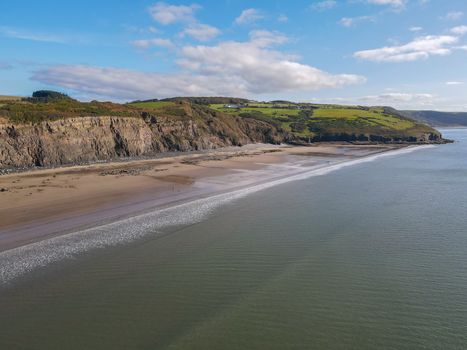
[24, 259]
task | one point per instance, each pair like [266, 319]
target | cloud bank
[167, 14]
[249, 16]
[147, 43]
[420, 48]
[324, 5]
[201, 32]
[233, 68]
[393, 3]
[401, 100]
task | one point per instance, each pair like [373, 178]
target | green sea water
[372, 256]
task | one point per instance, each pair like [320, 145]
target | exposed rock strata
[90, 139]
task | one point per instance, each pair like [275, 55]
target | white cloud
[24, 34]
[398, 97]
[146, 43]
[393, 3]
[283, 18]
[351, 21]
[454, 83]
[460, 30]
[140, 30]
[324, 5]
[420, 48]
[265, 38]
[167, 14]
[453, 16]
[401, 100]
[122, 84]
[249, 16]
[415, 29]
[229, 68]
[258, 68]
[201, 32]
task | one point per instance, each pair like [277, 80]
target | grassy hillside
[314, 121]
[151, 104]
[4, 99]
[303, 122]
[29, 112]
[208, 100]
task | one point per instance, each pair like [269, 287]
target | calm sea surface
[372, 256]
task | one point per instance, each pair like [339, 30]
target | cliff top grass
[30, 112]
[49, 107]
[151, 104]
[307, 120]
[46, 105]
[5, 98]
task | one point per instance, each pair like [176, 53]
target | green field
[151, 104]
[269, 111]
[308, 120]
[372, 117]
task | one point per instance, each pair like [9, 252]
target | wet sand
[39, 204]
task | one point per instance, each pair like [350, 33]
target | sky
[410, 54]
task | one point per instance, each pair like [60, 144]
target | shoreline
[26, 257]
[228, 149]
[213, 183]
[43, 203]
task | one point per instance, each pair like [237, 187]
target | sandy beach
[39, 204]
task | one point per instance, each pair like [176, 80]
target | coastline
[108, 204]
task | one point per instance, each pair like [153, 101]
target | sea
[371, 255]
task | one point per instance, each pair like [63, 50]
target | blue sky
[404, 53]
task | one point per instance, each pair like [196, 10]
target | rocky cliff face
[89, 139]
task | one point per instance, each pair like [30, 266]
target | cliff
[97, 138]
[62, 131]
